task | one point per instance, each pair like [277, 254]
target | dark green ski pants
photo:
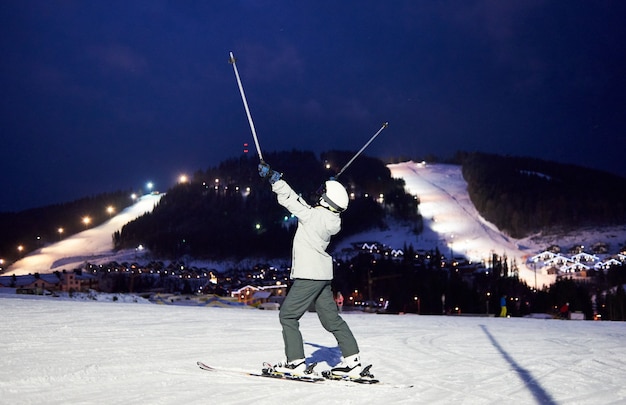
[300, 297]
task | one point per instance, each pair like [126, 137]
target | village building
[251, 295]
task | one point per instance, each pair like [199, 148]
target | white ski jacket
[316, 225]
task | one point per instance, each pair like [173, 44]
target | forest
[525, 195]
[35, 228]
[229, 211]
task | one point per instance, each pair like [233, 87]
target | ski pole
[245, 105]
[385, 125]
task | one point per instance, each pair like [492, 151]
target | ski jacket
[316, 225]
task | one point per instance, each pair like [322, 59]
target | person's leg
[298, 300]
[328, 314]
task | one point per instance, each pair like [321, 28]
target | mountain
[522, 195]
[451, 224]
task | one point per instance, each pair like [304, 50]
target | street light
[110, 210]
[60, 231]
[86, 221]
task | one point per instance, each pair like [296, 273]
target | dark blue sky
[99, 96]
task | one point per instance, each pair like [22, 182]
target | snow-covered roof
[545, 255]
[259, 295]
[585, 256]
[574, 267]
[558, 259]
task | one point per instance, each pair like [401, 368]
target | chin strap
[330, 204]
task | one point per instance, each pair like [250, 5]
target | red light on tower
[245, 147]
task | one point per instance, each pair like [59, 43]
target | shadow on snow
[331, 355]
[540, 394]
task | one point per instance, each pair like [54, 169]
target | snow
[454, 225]
[104, 348]
[58, 351]
[459, 228]
[88, 245]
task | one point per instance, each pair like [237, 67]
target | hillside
[451, 224]
[226, 211]
[522, 196]
[28, 230]
[229, 211]
[88, 245]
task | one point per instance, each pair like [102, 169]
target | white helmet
[335, 196]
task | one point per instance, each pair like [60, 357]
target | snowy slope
[448, 210]
[451, 223]
[62, 352]
[84, 246]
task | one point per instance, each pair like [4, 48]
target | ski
[269, 372]
[365, 377]
[265, 373]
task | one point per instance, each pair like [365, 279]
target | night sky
[99, 96]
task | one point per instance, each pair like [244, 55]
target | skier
[503, 306]
[312, 273]
[339, 300]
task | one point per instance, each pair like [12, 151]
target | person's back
[312, 273]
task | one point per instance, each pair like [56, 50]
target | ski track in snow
[473, 215]
[57, 352]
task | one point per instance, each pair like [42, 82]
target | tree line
[525, 195]
[37, 227]
[418, 285]
[229, 211]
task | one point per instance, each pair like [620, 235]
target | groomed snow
[459, 228]
[454, 225]
[89, 245]
[67, 352]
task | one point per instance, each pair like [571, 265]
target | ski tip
[204, 366]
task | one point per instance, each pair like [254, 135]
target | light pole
[451, 248]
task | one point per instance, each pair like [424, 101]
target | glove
[274, 176]
[264, 169]
[267, 173]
